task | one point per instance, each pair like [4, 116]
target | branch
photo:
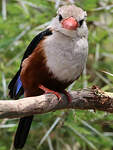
[83, 99]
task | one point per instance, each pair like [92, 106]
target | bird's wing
[15, 86]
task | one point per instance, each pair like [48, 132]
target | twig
[24, 7]
[71, 86]
[22, 33]
[14, 59]
[50, 143]
[110, 55]
[4, 121]
[7, 125]
[4, 12]
[57, 3]
[4, 85]
[84, 77]
[72, 1]
[97, 53]
[33, 6]
[37, 29]
[103, 26]
[49, 131]
[104, 7]
[103, 78]
[107, 73]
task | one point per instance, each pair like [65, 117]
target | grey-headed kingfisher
[53, 60]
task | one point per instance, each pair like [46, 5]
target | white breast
[66, 57]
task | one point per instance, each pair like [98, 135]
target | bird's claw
[48, 91]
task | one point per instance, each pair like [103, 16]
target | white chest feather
[66, 57]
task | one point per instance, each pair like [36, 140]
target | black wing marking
[35, 42]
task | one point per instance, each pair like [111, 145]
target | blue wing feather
[18, 85]
[15, 86]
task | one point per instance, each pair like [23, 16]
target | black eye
[60, 17]
[81, 22]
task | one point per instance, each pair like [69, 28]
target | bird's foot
[47, 91]
[68, 96]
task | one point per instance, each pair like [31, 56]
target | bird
[53, 60]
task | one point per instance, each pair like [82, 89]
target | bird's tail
[16, 90]
[22, 132]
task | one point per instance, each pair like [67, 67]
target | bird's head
[71, 21]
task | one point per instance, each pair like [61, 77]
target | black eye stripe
[60, 17]
[81, 22]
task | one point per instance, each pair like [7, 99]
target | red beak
[69, 23]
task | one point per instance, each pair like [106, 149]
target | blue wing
[15, 86]
[18, 85]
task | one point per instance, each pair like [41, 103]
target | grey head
[71, 21]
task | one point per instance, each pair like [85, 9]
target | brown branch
[85, 99]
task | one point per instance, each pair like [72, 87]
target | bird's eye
[60, 17]
[81, 22]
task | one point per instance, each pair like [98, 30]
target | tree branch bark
[92, 98]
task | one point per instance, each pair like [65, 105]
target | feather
[18, 85]
[15, 86]
[22, 131]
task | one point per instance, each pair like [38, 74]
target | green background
[76, 130]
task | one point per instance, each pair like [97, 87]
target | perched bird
[53, 60]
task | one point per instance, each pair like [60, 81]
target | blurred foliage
[75, 130]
